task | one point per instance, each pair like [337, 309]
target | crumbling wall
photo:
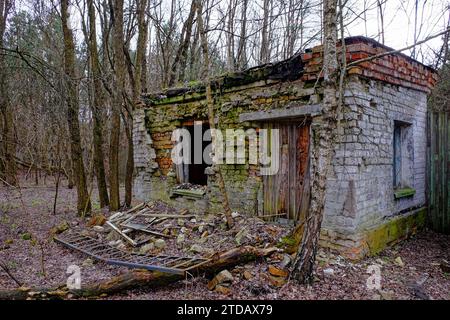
[165, 114]
[144, 156]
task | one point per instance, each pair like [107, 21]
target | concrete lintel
[291, 111]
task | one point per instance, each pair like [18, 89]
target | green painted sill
[404, 192]
[193, 194]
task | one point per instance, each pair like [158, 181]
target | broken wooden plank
[157, 221]
[144, 228]
[168, 216]
[116, 216]
[273, 215]
[144, 241]
[139, 206]
[122, 234]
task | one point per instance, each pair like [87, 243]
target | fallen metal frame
[111, 255]
[128, 222]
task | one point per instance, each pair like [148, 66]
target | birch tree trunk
[73, 110]
[323, 131]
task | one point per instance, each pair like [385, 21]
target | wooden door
[286, 193]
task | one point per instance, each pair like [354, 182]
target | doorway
[194, 171]
[286, 193]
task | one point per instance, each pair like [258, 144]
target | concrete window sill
[404, 193]
[190, 194]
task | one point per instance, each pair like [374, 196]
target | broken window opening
[403, 159]
[194, 171]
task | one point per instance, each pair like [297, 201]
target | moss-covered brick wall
[165, 114]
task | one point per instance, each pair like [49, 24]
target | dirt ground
[410, 270]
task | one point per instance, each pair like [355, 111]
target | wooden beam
[134, 244]
[293, 110]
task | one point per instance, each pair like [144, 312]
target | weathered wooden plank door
[438, 189]
[286, 193]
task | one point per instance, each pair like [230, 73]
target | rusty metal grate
[106, 253]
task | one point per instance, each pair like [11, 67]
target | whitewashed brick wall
[360, 193]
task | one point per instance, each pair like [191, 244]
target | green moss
[287, 241]
[194, 83]
[394, 230]
[404, 192]
[96, 206]
[182, 98]
[26, 236]
[309, 84]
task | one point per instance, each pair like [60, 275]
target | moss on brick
[394, 230]
[372, 241]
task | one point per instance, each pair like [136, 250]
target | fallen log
[140, 279]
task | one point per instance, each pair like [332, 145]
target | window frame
[402, 159]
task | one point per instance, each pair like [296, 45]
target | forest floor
[409, 270]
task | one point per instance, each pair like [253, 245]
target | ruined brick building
[376, 194]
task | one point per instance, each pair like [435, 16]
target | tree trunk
[8, 137]
[119, 83]
[180, 59]
[193, 58]
[83, 203]
[264, 53]
[141, 278]
[230, 35]
[58, 177]
[98, 105]
[210, 103]
[3, 103]
[167, 42]
[323, 131]
[242, 50]
[381, 16]
[8, 168]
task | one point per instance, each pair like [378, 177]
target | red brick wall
[396, 68]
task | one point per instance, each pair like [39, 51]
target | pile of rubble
[154, 228]
[156, 236]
